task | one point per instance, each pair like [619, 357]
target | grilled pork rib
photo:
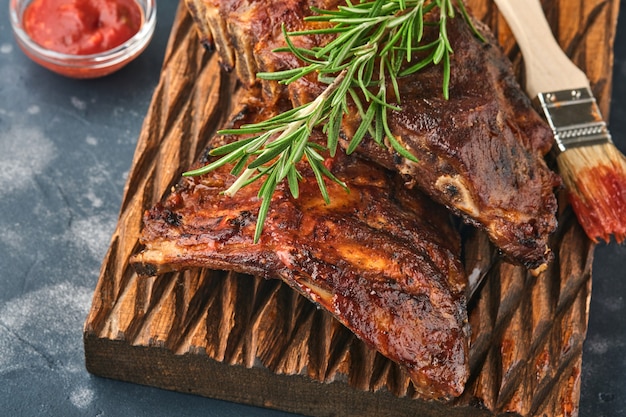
[480, 152]
[383, 259]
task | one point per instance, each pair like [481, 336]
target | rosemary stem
[309, 115]
[239, 182]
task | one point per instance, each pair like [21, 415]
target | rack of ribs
[381, 258]
[480, 153]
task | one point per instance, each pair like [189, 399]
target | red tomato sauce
[82, 27]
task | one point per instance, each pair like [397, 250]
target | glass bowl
[84, 66]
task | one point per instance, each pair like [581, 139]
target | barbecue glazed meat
[382, 259]
[480, 152]
[246, 33]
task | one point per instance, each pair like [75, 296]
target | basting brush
[592, 168]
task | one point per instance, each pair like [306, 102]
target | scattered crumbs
[82, 397]
[6, 48]
[91, 141]
[33, 109]
[78, 103]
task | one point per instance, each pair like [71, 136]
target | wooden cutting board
[254, 341]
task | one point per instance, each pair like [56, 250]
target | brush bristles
[595, 178]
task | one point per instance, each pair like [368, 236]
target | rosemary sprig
[374, 44]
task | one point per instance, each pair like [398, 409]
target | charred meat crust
[480, 152]
[383, 259]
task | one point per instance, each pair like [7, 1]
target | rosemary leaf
[268, 155]
[293, 180]
[230, 147]
[265, 194]
[362, 130]
[374, 43]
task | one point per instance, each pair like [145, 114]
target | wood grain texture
[255, 341]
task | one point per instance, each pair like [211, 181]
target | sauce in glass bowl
[81, 27]
[83, 38]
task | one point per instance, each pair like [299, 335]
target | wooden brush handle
[547, 67]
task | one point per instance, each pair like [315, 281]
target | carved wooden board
[254, 341]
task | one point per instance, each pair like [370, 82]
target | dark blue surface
[65, 149]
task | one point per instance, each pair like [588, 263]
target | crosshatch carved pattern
[255, 341]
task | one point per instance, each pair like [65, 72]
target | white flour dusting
[6, 48]
[599, 345]
[91, 141]
[94, 199]
[82, 397]
[94, 233]
[43, 327]
[41, 332]
[614, 304]
[26, 152]
[78, 103]
[12, 238]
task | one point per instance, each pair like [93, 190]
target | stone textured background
[65, 149]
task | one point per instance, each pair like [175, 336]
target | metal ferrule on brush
[574, 117]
